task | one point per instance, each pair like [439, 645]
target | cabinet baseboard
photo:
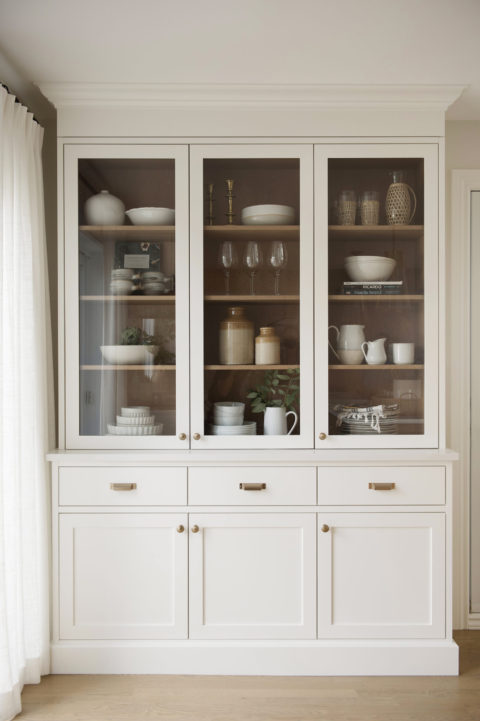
[296, 658]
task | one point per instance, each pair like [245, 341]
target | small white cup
[403, 353]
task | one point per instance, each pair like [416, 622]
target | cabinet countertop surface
[424, 456]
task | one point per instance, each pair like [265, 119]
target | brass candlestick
[210, 217]
[230, 196]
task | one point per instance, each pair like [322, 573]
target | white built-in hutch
[180, 546]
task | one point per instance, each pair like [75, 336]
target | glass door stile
[127, 296]
[376, 220]
[251, 273]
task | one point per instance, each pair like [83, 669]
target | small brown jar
[236, 338]
[267, 347]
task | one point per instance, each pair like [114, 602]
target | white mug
[403, 353]
[275, 423]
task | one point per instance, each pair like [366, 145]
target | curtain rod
[17, 100]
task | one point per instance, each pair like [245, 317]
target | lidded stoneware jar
[267, 347]
[236, 340]
[104, 209]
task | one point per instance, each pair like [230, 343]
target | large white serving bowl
[268, 215]
[155, 430]
[135, 420]
[151, 216]
[129, 354]
[369, 268]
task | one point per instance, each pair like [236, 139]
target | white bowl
[268, 215]
[151, 216]
[153, 275]
[135, 411]
[135, 430]
[128, 354]
[121, 287]
[122, 273]
[369, 268]
[135, 420]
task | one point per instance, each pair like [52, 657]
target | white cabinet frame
[198, 154]
[429, 153]
[72, 154]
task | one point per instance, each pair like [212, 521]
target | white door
[251, 262]
[252, 575]
[123, 575]
[381, 575]
[126, 296]
[377, 281]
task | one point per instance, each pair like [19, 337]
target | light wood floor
[266, 698]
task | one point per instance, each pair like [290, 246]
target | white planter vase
[104, 209]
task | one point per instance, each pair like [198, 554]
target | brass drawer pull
[381, 486]
[123, 486]
[252, 486]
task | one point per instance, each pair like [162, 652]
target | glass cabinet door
[251, 296]
[377, 296]
[126, 283]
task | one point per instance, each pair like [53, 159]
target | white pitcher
[275, 423]
[375, 354]
[349, 343]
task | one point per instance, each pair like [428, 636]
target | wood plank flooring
[267, 698]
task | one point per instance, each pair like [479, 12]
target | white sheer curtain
[26, 408]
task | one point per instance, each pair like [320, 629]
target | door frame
[463, 183]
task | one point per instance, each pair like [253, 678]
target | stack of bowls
[369, 268]
[228, 420]
[135, 421]
[121, 282]
[153, 282]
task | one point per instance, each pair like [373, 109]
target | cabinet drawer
[87, 486]
[381, 486]
[251, 486]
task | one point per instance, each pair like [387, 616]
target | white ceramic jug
[375, 354]
[349, 343]
[275, 423]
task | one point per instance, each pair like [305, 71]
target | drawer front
[381, 486]
[122, 486]
[251, 486]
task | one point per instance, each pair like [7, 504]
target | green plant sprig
[279, 388]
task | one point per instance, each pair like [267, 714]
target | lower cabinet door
[381, 575]
[252, 576]
[123, 576]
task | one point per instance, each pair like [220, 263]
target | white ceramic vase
[104, 209]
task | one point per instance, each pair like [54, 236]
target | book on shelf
[387, 287]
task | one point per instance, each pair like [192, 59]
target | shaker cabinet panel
[252, 576]
[381, 575]
[123, 576]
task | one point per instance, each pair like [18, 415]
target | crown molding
[253, 96]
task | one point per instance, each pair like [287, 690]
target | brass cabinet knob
[180, 528]
[325, 528]
[196, 436]
[182, 436]
[322, 436]
[195, 529]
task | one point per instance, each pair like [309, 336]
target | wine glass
[227, 259]
[252, 260]
[278, 259]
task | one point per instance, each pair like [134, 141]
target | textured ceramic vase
[236, 341]
[104, 209]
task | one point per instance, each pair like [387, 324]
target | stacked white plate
[121, 282]
[135, 421]
[248, 428]
[153, 282]
[268, 215]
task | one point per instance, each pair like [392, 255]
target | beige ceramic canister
[236, 338]
[267, 347]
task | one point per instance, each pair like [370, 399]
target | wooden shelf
[375, 298]
[252, 367]
[375, 232]
[131, 233]
[138, 299]
[142, 367]
[247, 232]
[252, 298]
[383, 367]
